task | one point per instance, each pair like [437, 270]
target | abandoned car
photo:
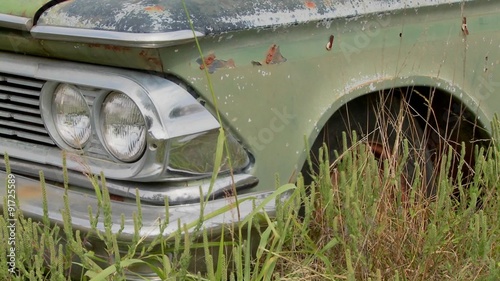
[120, 87]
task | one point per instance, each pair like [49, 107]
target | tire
[375, 120]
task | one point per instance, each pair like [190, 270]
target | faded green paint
[272, 107]
[21, 8]
[21, 42]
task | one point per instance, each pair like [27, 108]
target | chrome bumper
[30, 197]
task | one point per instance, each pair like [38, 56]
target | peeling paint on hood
[211, 16]
[21, 8]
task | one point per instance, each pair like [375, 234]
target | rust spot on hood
[156, 8]
[310, 5]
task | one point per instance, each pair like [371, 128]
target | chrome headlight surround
[174, 122]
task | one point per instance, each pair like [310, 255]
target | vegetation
[357, 227]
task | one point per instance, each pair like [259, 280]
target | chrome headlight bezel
[171, 114]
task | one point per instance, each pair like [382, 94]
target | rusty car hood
[21, 8]
[210, 16]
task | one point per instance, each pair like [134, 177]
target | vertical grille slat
[20, 117]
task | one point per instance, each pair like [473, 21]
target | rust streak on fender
[274, 55]
[110, 47]
[152, 59]
[212, 63]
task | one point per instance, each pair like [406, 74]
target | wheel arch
[443, 89]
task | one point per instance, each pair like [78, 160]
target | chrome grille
[20, 117]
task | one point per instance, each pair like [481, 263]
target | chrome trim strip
[140, 40]
[15, 22]
[185, 192]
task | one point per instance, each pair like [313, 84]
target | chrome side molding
[125, 39]
[15, 22]
[94, 36]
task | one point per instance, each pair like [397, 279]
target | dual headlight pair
[121, 125]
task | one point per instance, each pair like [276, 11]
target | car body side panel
[271, 107]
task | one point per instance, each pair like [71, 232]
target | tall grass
[360, 229]
[354, 228]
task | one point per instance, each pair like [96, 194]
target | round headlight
[123, 127]
[71, 116]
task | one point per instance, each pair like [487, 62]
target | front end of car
[140, 130]
[142, 135]
[148, 135]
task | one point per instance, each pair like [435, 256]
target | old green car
[120, 87]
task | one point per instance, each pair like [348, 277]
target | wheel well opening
[448, 124]
[444, 122]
